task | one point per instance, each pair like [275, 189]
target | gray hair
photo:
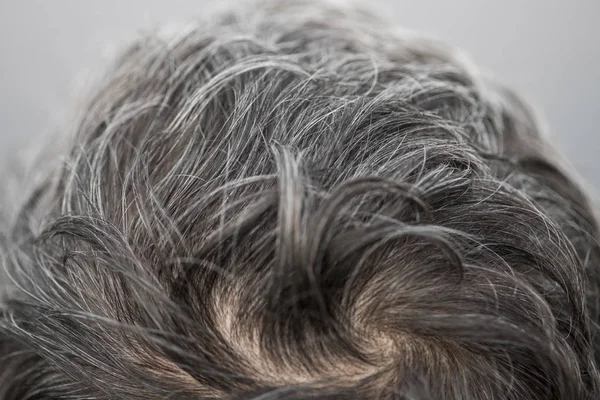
[295, 201]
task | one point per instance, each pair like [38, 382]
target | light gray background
[547, 49]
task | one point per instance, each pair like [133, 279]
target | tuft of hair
[292, 201]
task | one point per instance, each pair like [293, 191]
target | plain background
[549, 50]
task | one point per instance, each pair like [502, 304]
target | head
[296, 201]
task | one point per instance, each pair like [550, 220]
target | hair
[294, 201]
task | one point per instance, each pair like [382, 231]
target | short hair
[294, 200]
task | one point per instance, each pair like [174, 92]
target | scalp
[299, 202]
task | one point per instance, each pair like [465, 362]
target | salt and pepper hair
[294, 201]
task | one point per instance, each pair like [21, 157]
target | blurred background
[549, 50]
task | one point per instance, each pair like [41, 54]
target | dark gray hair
[295, 201]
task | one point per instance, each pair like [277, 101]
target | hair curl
[294, 201]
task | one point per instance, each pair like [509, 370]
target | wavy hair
[294, 200]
